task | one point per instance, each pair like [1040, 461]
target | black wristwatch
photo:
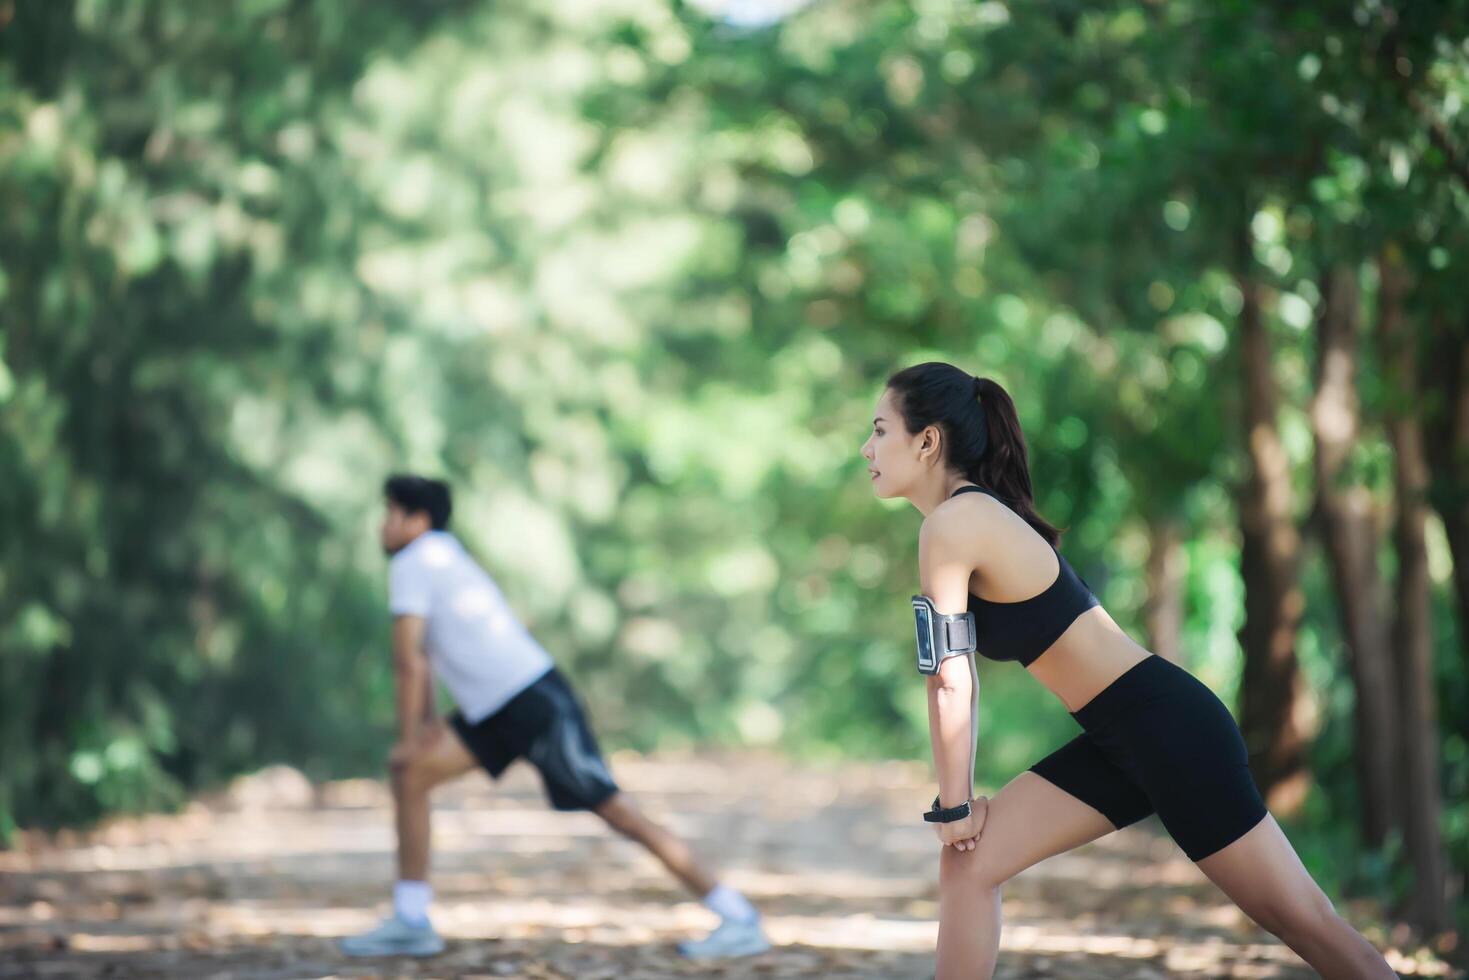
[953, 813]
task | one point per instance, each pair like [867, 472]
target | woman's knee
[974, 869]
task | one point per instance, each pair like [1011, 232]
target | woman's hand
[964, 834]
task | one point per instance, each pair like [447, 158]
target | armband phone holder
[940, 635]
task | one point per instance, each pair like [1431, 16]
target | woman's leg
[1265, 878]
[1029, 820]
[1195, 768]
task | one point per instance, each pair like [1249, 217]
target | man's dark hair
[417, 494]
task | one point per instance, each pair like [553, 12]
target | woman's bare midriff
[1090, 655]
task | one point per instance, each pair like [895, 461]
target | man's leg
[622, 816]
[739, 932]
[577, 778]
[440, 756]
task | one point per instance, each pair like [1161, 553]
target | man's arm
[430, 701]
[411, 674]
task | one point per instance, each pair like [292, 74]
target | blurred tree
[1353, 541]
[1412, 629]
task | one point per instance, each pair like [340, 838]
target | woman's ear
[928, 449]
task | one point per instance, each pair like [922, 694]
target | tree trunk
[1448, 452]
[1412, 632]
[1272, 695]
[1163, 610]
[1350, 531]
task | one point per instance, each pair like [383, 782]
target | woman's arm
[953, 693]
[953, 724]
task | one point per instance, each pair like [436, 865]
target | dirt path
[257, 887]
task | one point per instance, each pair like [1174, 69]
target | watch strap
[937, 814]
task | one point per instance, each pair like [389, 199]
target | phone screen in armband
[923, 626]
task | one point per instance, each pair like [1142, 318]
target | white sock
[411, 900]
[727, 903]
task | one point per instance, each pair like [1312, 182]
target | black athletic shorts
[546, 726]
[1157, 740]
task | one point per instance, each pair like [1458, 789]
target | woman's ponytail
[1005, 465]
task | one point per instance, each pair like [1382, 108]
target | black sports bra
[1026, 629]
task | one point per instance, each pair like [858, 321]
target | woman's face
[895, 459]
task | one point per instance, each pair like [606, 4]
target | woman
[1154, 740]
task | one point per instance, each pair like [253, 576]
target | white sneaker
[395, 937]
[732, 938]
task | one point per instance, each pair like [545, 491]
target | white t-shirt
[476, 646]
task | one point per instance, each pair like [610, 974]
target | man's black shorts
[545, 725]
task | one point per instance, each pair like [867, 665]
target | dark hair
[420, 495]
[982, 437]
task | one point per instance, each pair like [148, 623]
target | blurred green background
[630, 274]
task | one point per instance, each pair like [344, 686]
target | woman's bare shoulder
[967, 518]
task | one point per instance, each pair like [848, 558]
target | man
[450, 618]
